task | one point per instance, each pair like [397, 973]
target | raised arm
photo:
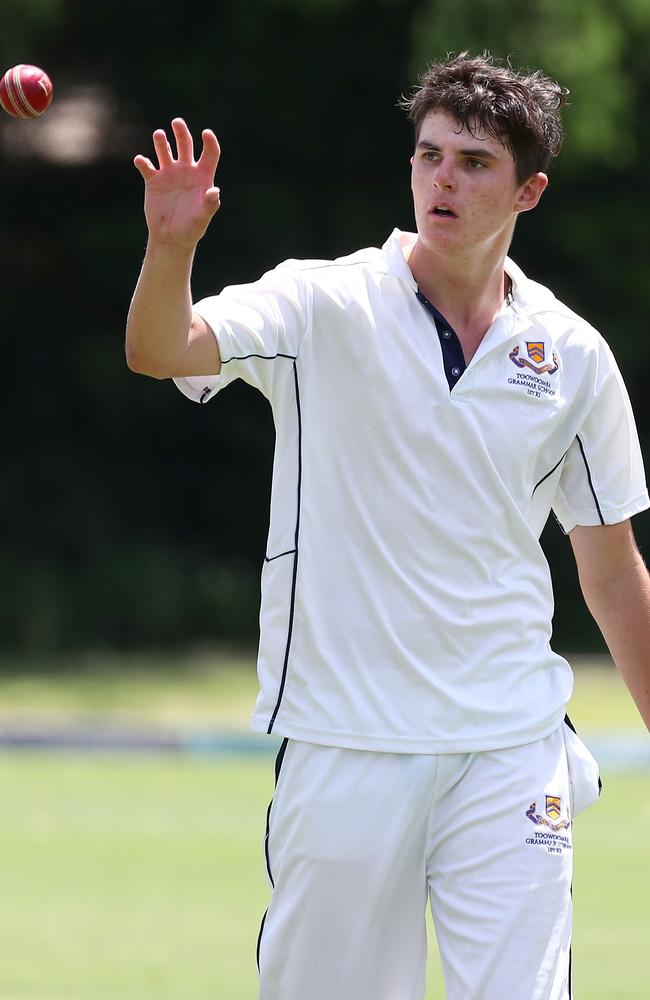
[164, 338]
[616, 588]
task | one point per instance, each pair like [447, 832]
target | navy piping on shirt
[570, 983]
[591, 484]
[263, 357]
[244, 357]
[289, 552]
[206, 392]
[278, 766]
[544, 478]
[295, 557]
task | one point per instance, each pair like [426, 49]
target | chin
[436, 241]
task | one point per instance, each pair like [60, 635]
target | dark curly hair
[521, 110]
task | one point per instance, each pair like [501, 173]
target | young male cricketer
[432, 405]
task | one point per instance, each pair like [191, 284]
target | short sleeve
[603, 479]
[258, 327]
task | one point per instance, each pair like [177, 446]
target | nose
[444, 178]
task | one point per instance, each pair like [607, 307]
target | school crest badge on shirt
[536, 354]
[533, 371]
[536, 350]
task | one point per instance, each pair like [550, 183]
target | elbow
[142, 363]
[133, 360]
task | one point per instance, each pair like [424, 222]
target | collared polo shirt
[406, 601]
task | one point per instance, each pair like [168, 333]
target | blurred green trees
[133, 518]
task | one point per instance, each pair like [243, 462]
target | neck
[467, 284]
[469, 293]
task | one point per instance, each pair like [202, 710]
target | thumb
[213, 197]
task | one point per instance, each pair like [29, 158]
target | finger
[211, 151]
[184, 142]
[162, 147]
[144, 166]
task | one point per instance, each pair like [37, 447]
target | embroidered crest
[537, 353]
[551, 833]
[553, 809]
[553, 806]
[536, 350]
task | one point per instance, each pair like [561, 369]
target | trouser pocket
[584, 775]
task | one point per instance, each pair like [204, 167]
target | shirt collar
[394, 254]
[396, 264]
[520, 283]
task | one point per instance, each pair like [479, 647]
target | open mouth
[443, 213]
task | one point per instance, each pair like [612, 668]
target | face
[465, 189]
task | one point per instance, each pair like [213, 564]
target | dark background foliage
[134, 519]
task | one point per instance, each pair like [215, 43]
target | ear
[411, 160]
[530, 192]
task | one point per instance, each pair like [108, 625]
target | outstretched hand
[180, 198]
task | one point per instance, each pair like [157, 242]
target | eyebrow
[479, 152]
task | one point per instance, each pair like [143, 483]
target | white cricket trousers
[357, 841]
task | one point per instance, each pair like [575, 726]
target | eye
[476, 164]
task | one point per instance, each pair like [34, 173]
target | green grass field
[142, 877]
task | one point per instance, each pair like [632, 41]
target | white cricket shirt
[406, 601]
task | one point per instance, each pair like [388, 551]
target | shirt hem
[569, 519]
[386, 743]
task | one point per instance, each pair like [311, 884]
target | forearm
[160, 316]
[621, 608]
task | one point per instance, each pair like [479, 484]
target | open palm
[180, 197]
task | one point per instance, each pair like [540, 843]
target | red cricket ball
[25, 91]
